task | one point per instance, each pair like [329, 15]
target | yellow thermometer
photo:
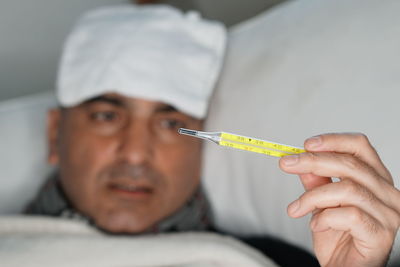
[245, 143]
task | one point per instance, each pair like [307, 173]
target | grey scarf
[195, 215]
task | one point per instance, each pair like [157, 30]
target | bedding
[46, 241]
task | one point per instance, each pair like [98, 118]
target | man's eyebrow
[107, 99]
[166, 108]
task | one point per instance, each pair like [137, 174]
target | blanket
[47, 241]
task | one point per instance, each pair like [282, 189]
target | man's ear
[53, 131]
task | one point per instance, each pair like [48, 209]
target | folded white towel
[153, 52]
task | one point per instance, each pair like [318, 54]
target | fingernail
[290, 160]
[314, 142]
[294, 207]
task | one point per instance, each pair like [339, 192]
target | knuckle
[356, 215]
[370, 225]
[361, 139]
[349, 187]
[352, 189]
[367, 195]
[310, 157]
[352, 163]
[393, 219]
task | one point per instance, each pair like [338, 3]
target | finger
[311, 181]
[369, 236]
[344, 166]
[355, 144]
[344, 193]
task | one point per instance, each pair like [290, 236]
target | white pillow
[23, 149]
[303, 68]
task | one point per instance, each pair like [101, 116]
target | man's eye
[106, 116]
[172, 124]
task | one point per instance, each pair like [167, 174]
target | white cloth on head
[153, 52]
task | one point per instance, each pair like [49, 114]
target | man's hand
[355, 220]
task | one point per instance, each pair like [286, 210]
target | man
[121, 160]
[129, 78]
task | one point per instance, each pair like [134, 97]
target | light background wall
[32, 34]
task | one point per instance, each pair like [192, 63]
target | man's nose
[136, 143]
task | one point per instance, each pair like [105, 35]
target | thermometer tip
[187, 131]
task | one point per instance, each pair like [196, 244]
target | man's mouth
[131, 190]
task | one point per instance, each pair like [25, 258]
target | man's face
[122, 162]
